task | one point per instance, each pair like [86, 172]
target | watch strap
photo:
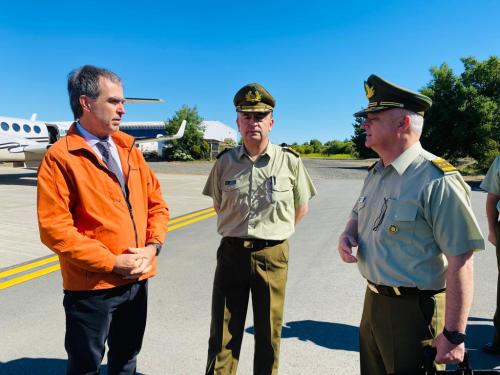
[454, 337]
[156, 245]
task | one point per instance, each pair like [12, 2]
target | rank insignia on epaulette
[223, 152]
[292, 151]
[443, 165]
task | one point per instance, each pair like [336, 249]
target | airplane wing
[143, 100]
[178, 135]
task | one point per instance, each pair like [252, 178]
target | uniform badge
[393, 229]
[253, 96]
[369, 90]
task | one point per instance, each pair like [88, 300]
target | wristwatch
[454, 337]
[157, 245]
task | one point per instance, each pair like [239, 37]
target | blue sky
[312, 56]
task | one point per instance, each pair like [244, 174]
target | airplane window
[16, 127]
[37, 129]
[26, 128]
[5, 126]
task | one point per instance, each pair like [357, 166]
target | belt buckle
[373, 288]
[248, 244]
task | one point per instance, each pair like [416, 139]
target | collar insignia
[253, 96]
[369, 90]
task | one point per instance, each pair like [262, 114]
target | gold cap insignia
[393, 229]
[253, 96]
[369, 90]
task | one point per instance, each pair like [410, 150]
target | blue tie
[110, 161]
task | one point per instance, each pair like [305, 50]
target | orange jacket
[82, 213]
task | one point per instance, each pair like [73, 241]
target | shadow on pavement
[22, 179]
[477, 336]
[328, 335]
[38, 366]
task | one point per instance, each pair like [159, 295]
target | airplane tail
[178, 135]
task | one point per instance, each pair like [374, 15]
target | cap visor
[364, 112]
[253, 109]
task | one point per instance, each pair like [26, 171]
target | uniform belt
[394, 291]
[253, 244]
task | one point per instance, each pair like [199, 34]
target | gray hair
[85, 81]
[416, 120]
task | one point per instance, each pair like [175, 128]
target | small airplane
[27, 140]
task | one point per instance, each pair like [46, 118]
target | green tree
[316, 146]
[358, 140]
[191, 145]
[464, 119]
[339, 147]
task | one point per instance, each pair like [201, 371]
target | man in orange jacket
[100, 208]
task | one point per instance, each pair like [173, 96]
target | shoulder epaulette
[443, 165]
[291, 151]
[223, 152]
[372, 166]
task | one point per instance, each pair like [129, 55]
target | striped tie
[110, 161]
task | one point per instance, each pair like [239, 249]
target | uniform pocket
[281, 189]
[400, 219]
[405, 211]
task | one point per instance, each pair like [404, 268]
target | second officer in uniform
[260, 192]
[415, 232]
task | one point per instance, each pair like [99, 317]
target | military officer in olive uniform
[415, 232]
[491, 184]
[260, 192]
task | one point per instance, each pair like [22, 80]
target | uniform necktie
[110, 161]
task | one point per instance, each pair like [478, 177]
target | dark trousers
[496, 318]
[117, 315]
[394, 330]
[239, 271]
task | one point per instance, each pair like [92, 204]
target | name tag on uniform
[230, 182]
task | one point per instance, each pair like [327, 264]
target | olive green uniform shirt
[410, 215]
[257, 199]
[491, 182]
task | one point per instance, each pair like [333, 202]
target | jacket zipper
[126, 199]
[126, 196]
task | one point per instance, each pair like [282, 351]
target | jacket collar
[75, 141]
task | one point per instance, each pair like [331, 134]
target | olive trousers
[496, 318]
[394, 329]
[239, 271]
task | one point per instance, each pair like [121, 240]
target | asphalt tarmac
[323, 302]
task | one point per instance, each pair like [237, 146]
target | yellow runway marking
[181, 221]
[182, 218]
[29, 276]
[28, 266]
[184, 223]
